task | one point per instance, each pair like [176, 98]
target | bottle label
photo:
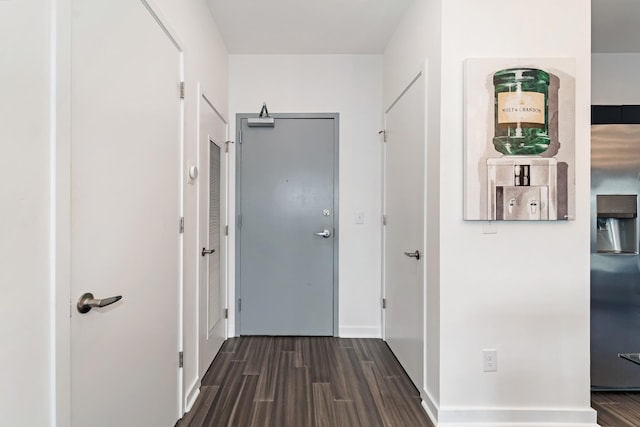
[521, 107]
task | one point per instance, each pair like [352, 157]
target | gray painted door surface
[286, 177]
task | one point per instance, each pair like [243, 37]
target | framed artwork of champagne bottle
[519, 129]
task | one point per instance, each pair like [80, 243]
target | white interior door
[125, 207]
[405, 228]
[213, 219]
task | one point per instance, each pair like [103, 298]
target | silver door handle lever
[324, 233]
[415, 254]
[206, 252]
[87, 302]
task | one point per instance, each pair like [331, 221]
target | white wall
[538, 321]
[205, 63]
[614, 79]
[352, 86]
[26, 303]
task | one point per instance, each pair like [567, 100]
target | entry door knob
[87, 302]
[324, 233]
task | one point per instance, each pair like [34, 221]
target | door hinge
[384, 303]
[181, 90]
[226, 313]
[181, 225]
[239, 221]
[384, 220]
[181, 359]
[239, 305]
[226, 230]
[384, 135]
[240, 136]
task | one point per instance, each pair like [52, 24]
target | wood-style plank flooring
[617, 409]
[306, 382]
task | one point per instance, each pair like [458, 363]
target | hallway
[306, 381]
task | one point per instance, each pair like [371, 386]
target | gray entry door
[286, 201]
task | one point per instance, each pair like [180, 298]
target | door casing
[336, 199]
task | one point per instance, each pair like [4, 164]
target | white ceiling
[307, 26]
[615, 26]
[365, 26]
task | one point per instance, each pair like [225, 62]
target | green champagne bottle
[521, 111]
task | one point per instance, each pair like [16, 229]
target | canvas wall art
[519, 139]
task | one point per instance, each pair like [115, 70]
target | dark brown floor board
[221, 409]
[324, 405]
[255, 354]
[339, 372]
[366, 408]
[241, 412]
[346, 414]
[195, 417]
[284, 411]
[268, 374]
[218, 370]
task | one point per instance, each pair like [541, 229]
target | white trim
[161, 19]
[192, 394]
[61, 184]
[360, 332]
[430, 406]
[53, 214]
[507, 417]
[516, 416]
[203, 93]
[198, 265]
[425, 230]
[526, 424]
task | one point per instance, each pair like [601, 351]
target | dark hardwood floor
[617, 409]
[306, 382]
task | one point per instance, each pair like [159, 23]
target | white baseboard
[360, 332]
[430, 406]
[516, 417]
[192, 395]
[527, 424]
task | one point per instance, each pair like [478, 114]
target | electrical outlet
[489, 360]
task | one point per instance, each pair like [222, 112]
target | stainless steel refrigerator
[615, 263]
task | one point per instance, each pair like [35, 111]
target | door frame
[61, 300]
[336, 204]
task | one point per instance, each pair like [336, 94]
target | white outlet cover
[489, 360]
